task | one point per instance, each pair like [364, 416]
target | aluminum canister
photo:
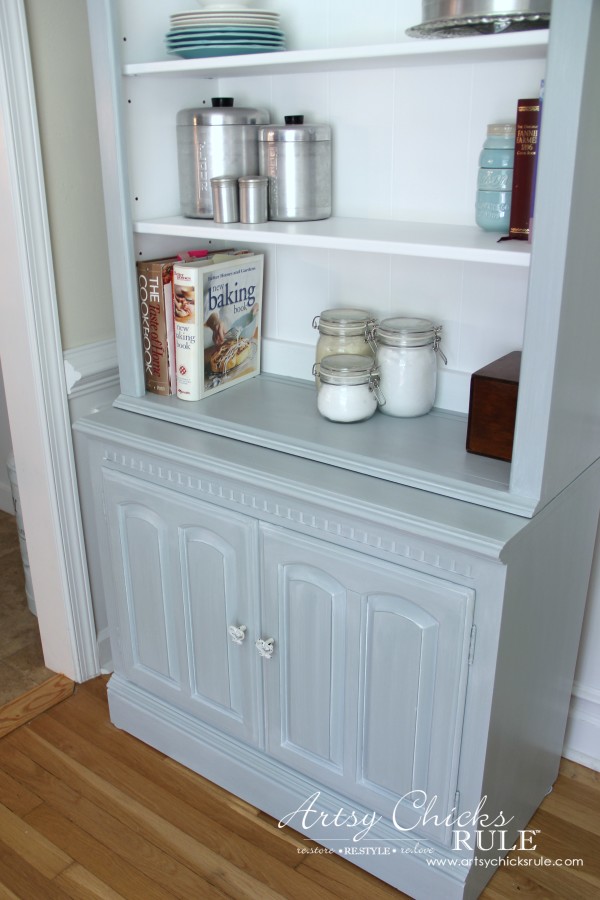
[253, 198]
[297, 159]
[225, 198]
[211, 142]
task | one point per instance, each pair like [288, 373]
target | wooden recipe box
[493, 407]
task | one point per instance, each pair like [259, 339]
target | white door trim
[32, 364]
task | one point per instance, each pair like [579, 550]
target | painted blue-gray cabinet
[331, 647]
[348, 634]
[184, 574]
[368, 693]
[357, 620]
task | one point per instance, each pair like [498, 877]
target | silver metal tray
[472, 25]
[460, 18]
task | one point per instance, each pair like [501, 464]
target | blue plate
[189, 45]
[220, 50]
[223, 29]
[225, 39]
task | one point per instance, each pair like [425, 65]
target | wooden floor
[21, 658]
[88, 811]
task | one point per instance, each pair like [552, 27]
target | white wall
[582, 742]
[60, 56]
[6, 503]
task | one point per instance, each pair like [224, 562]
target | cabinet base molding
[280, 792]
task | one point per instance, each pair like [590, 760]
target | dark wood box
[493, 407]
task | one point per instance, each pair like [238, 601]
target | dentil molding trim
[370, 538]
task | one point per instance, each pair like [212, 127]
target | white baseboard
[104, 651]
[93, 382]
[90, 367]
[92, 377]
[582, 740]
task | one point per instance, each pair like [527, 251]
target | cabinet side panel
[558, 429]
[104, 39]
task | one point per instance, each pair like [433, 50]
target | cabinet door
[184, 574]
[368, 687]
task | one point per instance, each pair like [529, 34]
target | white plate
[223, 20]
[223, 15]
[217, 20]
[228, 23]
[201, 30]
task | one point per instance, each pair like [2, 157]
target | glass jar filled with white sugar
[343, 330]
[406, 351]
[349, 387]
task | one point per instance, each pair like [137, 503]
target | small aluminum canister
[214, 141]
[225, 199]
[253, 198]
[297, 159]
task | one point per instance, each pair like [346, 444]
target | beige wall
[60, 52]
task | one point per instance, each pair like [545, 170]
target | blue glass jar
[494, 181]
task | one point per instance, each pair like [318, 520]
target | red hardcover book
[155, 295]
[526, 144]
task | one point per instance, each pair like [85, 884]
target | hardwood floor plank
[127, 842]
[218, 805]
[25, 880]
[574, 803]
[88, 713]
[80, 884]
[550, 881]
[507, 884]
[16, 797]
[558, 839]
[225, 863]
[33, 702]
[341, 879]
[571, 771]
[93, 856]
[121, 820]
[221, 813]
[32, 846]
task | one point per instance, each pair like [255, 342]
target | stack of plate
[223, 29]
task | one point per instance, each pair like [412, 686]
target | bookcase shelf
[424, 106]
[515, 46]
[421, 239]
[427, 452]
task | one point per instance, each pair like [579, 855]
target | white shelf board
[280, 413]
[458, 242]
[518, 45]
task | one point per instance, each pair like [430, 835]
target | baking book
[155, 297]
[217, 304]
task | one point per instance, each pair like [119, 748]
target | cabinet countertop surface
[457, 522]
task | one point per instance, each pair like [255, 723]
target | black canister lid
[222, 101]
[293, 120]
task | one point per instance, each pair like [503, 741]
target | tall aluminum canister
[211, 142]
[297, 160]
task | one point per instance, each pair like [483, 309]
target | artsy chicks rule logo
[471, 829]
